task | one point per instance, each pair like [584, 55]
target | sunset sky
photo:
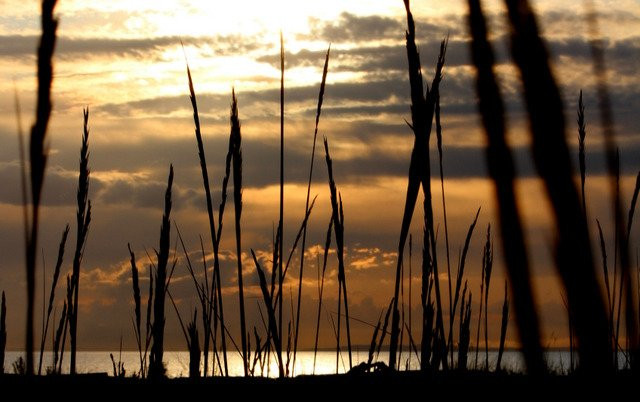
[124, 61]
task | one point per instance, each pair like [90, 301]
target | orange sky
[124, 61]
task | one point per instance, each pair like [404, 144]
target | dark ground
[410, 386]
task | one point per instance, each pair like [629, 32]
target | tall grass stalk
[306, 207]
[137, 306]
[83, 219]
[465, 329]
[237, 201]
[422, 111]
[38, 155]
[215, 237]
[502, 172]
[338, 228]
[327, 245]
[156, 365]
[488, 269]
[582, 133]
[52, 293]
[281, 209]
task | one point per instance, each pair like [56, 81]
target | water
[177, 362]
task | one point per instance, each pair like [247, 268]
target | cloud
[67, 47]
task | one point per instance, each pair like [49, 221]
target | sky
[124, 61]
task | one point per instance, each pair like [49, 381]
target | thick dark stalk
[487, 281]
[306, 205]
[606, 119]
[52, 293]
[502, 172]
[137, 302]
[156, 365]
[582, 132]
[281, 219]
[552, 160]
[83, 219]
[38, 155]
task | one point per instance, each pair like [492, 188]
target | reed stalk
[52, 293]
[503, 327]
[83, 219]
[156, 365]
[38, 155]
[327, 245]
[306, 207]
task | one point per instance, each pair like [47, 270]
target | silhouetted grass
[38, 155]
[156, 365]
[327, 245]
[582, 133]
[503, 326]
[306, 207]
[502, 172]
[52, 293]
[338, 228]
[216, 287]
[83, 218]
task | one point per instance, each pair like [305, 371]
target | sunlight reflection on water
[177, 362]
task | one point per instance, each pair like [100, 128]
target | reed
[422, 111]
[235, 139]
[83, 219]
[273, 325]
[306, 205]
[194, 347]
[38, 155]
[502, 172]
[327, 245]
[136, 300]
[459, 277]
[156, 365]
[487, 269]
[582, 133]
[281, 209]
[57, 338]
[52, 293]
[215, 237]
[465, 329]
[503, 327]
[338, 228]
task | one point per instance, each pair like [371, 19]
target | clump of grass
[156, 365]
[502, 172]
[83, 217]
[38, 155]
[422, 111]
[194, 347]
[52, 293]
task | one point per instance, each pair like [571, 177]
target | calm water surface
[177, 362]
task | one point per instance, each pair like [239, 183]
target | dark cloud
[23, 45]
